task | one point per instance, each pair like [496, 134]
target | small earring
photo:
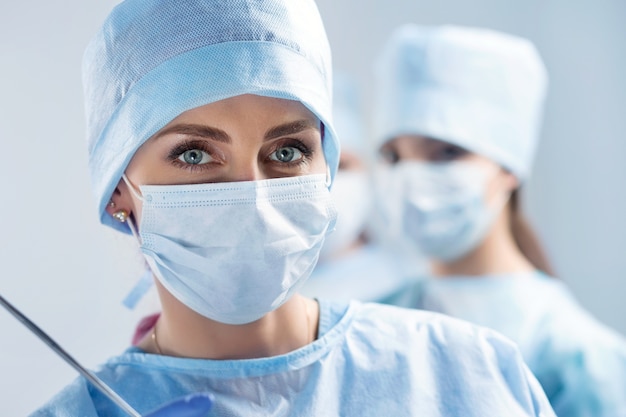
[121, 216]
[111, 204]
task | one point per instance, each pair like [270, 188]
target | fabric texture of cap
[476, 88]
[154, 59]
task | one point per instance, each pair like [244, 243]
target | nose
[246, 169]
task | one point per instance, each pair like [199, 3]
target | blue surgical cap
[476, 88]
[155, 59]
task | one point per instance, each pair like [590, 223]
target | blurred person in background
[459, 119]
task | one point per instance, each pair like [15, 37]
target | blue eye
[195, 157]
[286, 154]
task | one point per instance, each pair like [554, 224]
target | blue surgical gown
[580, 363]
[369, 360]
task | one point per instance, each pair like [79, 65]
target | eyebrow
[196, 130]
[221, 136]
[290, 128]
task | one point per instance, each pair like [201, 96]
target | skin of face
[243, 138]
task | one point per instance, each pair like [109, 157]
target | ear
[120, 201]
[510, 181]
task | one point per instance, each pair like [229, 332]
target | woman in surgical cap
[459, 116]
[211, 141]
[351, 265]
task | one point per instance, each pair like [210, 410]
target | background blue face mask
[235, 251]
[444, 212]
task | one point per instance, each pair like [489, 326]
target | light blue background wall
[69, 274]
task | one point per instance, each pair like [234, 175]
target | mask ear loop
[132, 189]
[328, 177]
[130, 222]
[145, 282]
[131, 225]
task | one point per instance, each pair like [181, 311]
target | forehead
[414, 142]
[248, 108]
[246, 116]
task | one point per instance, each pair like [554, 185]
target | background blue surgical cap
[154, 59]
[480, 89]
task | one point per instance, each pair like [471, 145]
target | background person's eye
[286, 154]
[194, 157]
[449, 153]
[389, 156]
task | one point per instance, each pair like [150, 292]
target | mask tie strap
[328, 179]
[139, 290]
[131, 187]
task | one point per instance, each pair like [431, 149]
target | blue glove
[194, 405]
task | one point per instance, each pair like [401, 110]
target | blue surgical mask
[235, 251]
[443, 206]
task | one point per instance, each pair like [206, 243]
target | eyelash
[189, 145]
[389, 156]
[449, 153]
[307, 152]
